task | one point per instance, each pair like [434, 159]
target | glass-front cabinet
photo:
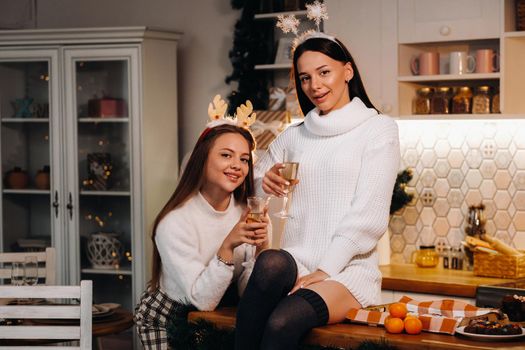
[80, 122]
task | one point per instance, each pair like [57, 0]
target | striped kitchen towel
[439, 316]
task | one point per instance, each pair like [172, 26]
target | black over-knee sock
[273, 276]
[294, 316]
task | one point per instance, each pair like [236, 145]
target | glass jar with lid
[495, 103]
[421, 103]
[440, 101]
[462, 101]
[426, 256]
[481, 100]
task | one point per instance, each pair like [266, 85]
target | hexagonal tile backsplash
[456, 164]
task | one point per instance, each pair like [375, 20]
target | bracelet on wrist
[224, 261]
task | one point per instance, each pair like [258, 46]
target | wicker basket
[520, 14]
[498, 265]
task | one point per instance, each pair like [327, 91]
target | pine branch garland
[400, 197]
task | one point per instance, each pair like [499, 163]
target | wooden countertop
[435, 280]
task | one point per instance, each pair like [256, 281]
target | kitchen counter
[436, 280]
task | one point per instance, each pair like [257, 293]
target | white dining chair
[47, 258]
[39, 330]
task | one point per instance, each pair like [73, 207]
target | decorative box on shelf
[499, 265]
[107, 108]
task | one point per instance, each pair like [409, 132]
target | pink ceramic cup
[487, 61]
[427, 63]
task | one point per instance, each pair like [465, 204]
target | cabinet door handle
[70, 206]
[55, 204]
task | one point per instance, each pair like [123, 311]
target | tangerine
[413, 325]
[394, 325]
[398, 310]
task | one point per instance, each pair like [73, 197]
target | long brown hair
[338, 52]
[192, 179]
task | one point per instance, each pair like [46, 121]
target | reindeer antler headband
[243, 117]
[316, 12]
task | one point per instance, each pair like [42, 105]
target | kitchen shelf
[25, 120]
[273, 66]
[126, 271]
[104, 193]
[26, 191]
[448, 77]
[273, 15]
[103, 120]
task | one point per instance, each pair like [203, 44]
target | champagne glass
[17, 277]
[256, 206]
[289, 173]
[17, 273]
[30, 270]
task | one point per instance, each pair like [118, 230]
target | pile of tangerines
[399, 320]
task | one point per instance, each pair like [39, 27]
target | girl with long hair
[348, 157]
[202, 242]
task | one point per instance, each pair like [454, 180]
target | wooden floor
[348, 335]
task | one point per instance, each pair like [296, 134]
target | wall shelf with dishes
[457, 41]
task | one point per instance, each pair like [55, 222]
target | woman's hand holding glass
[253, 232]
[279, 181]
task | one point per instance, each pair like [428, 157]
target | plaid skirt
[151, 317]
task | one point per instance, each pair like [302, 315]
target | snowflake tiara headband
[316, 12]
[243, 117]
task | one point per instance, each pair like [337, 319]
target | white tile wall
[457, 164]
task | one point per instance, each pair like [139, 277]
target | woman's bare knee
[337, 297]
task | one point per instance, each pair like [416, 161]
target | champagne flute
[30, 270]
[256, 206]
[17, 273]
[17, 277]
[289, 173]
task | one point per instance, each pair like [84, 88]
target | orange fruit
[398, 310]
[413, 325]
[394, 325]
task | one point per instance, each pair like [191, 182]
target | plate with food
[491, 331]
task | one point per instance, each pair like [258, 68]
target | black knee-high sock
[293, 318]
[273, 276]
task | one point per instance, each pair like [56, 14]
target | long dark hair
[338, 52]
[192, 180]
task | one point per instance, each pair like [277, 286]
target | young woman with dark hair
[348, 157]
[201, 241]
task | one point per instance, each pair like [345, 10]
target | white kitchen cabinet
[369, 30]
[104, 93]
[448, 20]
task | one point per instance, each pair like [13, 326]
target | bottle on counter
[440, 101]
[462, 101]
[421, 103]
[446, 257]
[457, 259]
[481, 100]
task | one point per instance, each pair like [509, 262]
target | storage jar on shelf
[481, 100]
[495, 103]
[440, 102]
[462, 101]
[421, 103]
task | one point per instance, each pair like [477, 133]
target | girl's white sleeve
[203, 284]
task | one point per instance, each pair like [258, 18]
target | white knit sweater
[188, 239]
[348, 161]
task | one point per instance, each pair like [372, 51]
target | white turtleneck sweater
[188, 239]
[348, 161]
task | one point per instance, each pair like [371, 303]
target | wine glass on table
[30, 270]
[289, 173]
[17, 276]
